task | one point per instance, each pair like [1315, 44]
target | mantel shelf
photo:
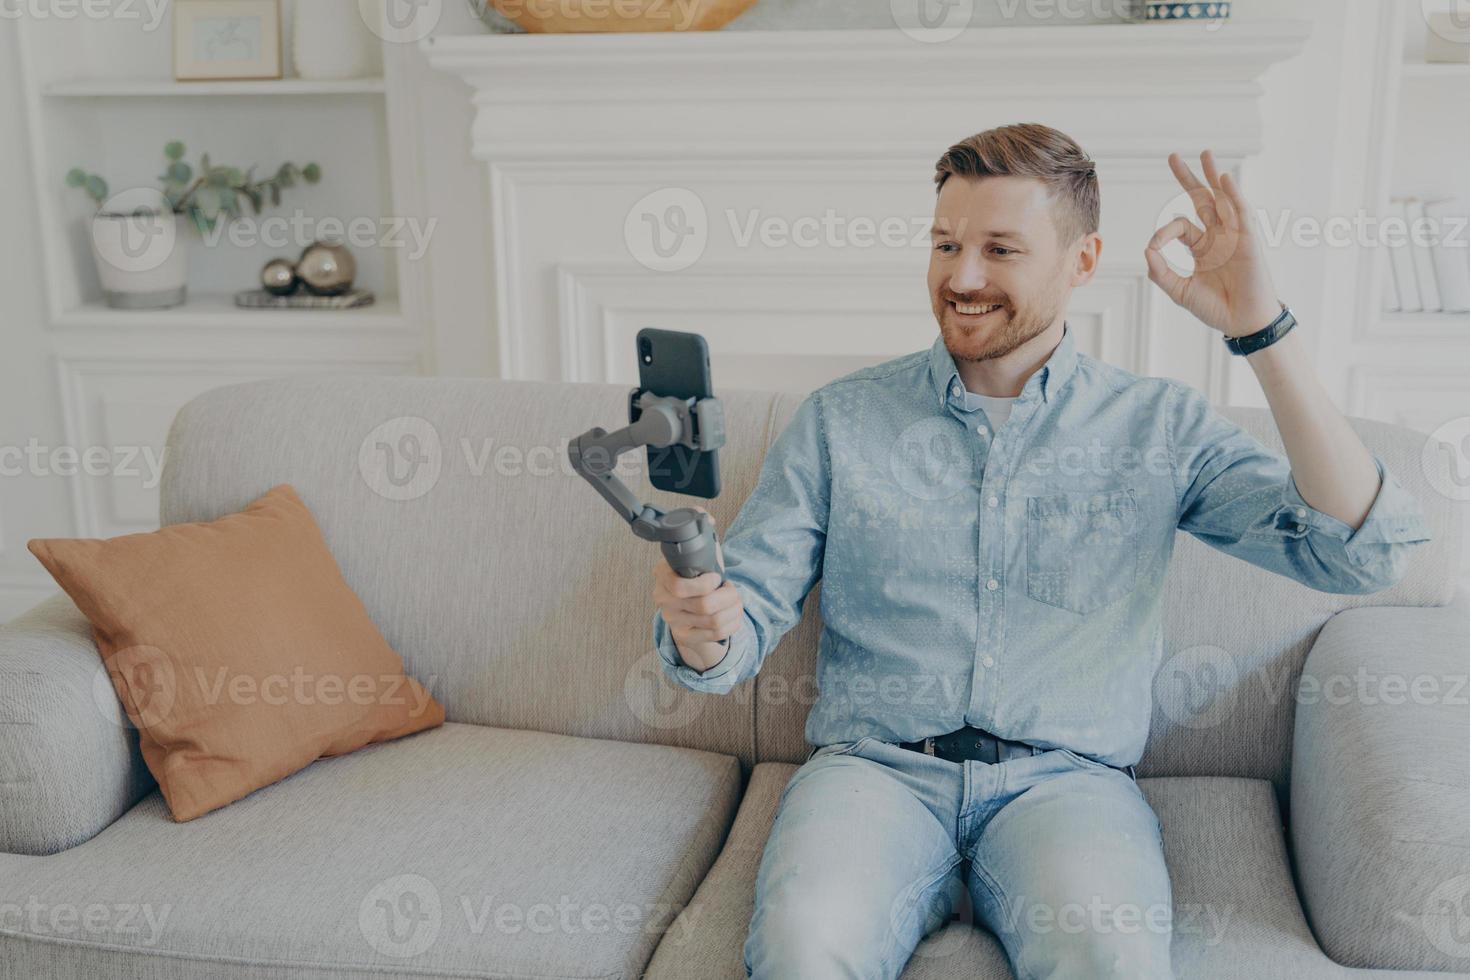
[743, 95]
[1184, 54]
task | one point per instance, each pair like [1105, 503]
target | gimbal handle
[686, 535]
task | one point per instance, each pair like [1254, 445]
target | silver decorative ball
[279, 277]
[327, 269]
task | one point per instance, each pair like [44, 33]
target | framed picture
[227, 39]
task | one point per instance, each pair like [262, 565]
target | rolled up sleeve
[1240, 498]
[721, 677]
[773, 554]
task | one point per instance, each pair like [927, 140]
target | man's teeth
[972, 310]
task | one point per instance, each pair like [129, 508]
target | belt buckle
[928, 744]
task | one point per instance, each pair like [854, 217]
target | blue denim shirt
[1011, 579]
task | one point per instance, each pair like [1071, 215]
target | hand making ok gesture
[1230, 288]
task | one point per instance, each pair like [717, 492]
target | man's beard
[1019, 327]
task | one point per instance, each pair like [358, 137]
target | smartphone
[676, 364]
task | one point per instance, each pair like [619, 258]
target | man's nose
[969, 276]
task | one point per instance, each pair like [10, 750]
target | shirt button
[988, 661]
[956, 390]
[992, 585]
[992, 502]
[982, 429]
[1300, 512]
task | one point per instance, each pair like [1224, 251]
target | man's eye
[1002, 250]
[946, 247]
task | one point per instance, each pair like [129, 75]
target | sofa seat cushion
[461, 852]
[1236, 912]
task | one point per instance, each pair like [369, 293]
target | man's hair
[1032, 150]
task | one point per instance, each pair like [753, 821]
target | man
[991, 521]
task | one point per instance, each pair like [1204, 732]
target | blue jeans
[871, 842]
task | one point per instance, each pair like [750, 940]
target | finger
[1163, 276]
[1212, 173]
[725, 622]
[1180, 229]
[1236, 198]
[1200, 196]
[680, 587]
[725, 597]
[703, 635]
[1224, 204]
[713, 628]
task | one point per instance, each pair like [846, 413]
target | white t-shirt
[996, 409]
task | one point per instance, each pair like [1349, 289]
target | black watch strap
[1265, 337]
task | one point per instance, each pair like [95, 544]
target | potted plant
[136, 233]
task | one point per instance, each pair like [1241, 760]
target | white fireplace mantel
[579, 129]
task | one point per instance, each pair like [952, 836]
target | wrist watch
[1265, 337]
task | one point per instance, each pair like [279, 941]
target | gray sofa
[581, 816]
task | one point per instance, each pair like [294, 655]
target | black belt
[978, 744]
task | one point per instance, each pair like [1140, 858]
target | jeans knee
[816, 941]
[1091, 955]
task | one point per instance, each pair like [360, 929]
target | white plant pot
[330, 40]
[142, 260]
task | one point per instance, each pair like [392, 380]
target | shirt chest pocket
[1081, 548]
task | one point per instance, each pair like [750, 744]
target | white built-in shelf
[1421, 70]
[218, 310]
[1459, 321]
[1440, 328]
[168, 88]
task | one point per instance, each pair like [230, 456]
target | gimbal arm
[686, 535]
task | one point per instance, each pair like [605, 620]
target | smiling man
[992, 520]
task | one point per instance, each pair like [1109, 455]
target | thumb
[1163, 276]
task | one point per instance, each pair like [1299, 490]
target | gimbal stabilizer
[686, 535]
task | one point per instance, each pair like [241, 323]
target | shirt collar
[1048, 380]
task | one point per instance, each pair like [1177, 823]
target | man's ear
[1087, 254]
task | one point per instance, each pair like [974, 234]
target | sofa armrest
[1380, 788]
[69, 759]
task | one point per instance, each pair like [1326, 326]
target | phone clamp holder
[686, 535]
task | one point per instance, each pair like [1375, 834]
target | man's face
[998, 272]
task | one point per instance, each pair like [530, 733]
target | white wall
[1312, 163]
[29, 398]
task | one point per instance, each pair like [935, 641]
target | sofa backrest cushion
[488, 564]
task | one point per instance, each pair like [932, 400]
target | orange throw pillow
[237, 649]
